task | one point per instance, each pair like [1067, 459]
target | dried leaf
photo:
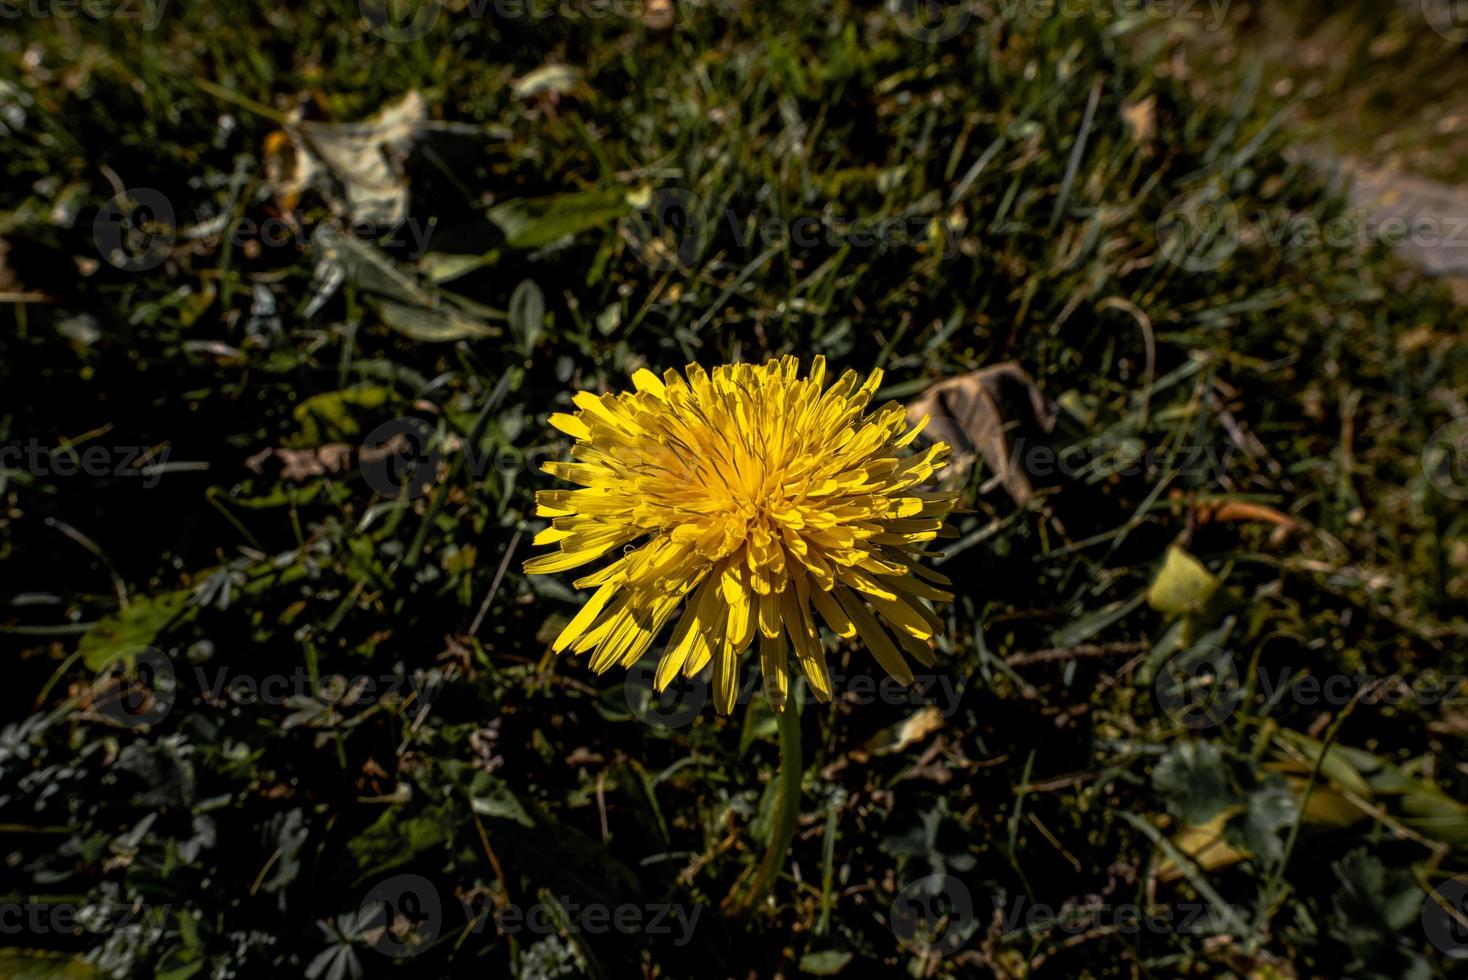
[967, 412]
[1141, 119]
[547, 80]
[1238, 510]
[289, 168]
[910, 731]
[659, 15]
[366, 158]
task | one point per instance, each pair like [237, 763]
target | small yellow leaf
[1205, 844]
[905, 733]
[1183, 586]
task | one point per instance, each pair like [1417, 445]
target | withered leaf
[968, 412]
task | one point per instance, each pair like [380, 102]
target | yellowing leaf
[1205, 844]
[130, 629]
[1183, 586]
[968, 412]
[910, 731]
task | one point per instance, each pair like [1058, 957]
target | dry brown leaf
[909, 731]
[301, 465]
[365, 158]
[1236, 510]
[1141, 119]
[967, 412]
[288, 169]
[658, 15]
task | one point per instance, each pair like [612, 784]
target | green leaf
[34, 964]
[431, 324]
[396, 838]
[527, 315]
[1373, 908]
[537, 222]
[826, 963]
[1193, 780]
[1271, 811]
[129, 629]
[490, 796]
[337, 416]
[408, 304]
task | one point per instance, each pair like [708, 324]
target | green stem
[782, 819]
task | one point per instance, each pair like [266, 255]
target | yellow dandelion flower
[753, 499]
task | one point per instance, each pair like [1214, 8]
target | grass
[1283, 398]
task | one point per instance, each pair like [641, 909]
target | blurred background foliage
[1279, 394]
